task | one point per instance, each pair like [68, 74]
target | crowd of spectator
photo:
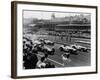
[30, 57]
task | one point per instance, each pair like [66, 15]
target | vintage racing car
[68, 49]
[80, 48]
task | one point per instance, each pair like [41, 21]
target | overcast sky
[46, 15]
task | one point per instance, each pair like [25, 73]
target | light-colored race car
[80, 48]
[68, 49]
[37, 45]
[48, 42]
[45, 49]
[41, 39]
[48, 50]
[36, 42]
[45, 41]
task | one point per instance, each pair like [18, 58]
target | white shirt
[40, 64]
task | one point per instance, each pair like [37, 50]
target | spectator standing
[66, 58]
[41, 63]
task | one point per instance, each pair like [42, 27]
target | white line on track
[52, 60]
[55, 61]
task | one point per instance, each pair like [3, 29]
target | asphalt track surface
[82, 59]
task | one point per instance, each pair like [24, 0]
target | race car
[48, 50]
[80, 48]
[43, 48]
[41, 39]
[48, 42]
[37, 42]
[68, 49]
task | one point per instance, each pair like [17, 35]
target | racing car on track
[68, 49]
[43, 48]
[48, 42]
[80, 48]
[49, 50]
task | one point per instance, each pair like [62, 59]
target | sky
[47, 14]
